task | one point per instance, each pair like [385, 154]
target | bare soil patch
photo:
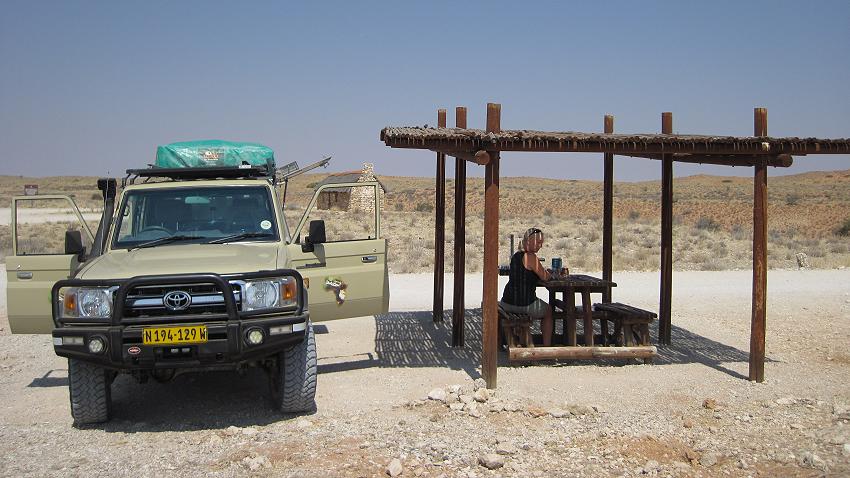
[375, 372]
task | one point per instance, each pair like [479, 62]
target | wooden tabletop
[576, 280]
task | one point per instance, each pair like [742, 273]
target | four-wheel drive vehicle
[195, 269]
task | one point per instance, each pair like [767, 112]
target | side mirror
[317, 232]
[74, 244]
[316, 236]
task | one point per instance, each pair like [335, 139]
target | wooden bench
[631, 325]
[515, 328]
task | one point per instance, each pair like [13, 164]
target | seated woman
[520, 295]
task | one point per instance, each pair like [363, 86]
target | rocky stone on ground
[437, 394]
[708, 459]
[491, 461]
[481, 395]
[255, 462]
[811, 460]
[506, 449]
[394, 469]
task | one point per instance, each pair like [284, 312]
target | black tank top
[522, 283]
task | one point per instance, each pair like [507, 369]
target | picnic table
[627, 320]
[568, 286]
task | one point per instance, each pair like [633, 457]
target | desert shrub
[844, 229]
[719, 249]
[633, 215]
[547, 212]
[311, 185]
[707, 224]
[399, 206]
[700, 257]
[424, 207]
[739, 233]
[839, 248]
[713, 264]
[726, 181]
[792, 199]
[593, 236]
[5, 241]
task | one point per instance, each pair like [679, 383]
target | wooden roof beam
[478, 157]
[451, 140]
[774, 160]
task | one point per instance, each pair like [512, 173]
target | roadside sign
[30, 189]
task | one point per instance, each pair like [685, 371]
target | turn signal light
[70, 304]
[288, 291]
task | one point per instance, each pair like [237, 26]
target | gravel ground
[689, 414]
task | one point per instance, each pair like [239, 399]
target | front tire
[293, 381]
[90, 388]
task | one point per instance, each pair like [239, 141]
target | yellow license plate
[193, 334]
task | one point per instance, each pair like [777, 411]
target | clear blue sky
[88, 87]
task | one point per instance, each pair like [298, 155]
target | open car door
[40, 258]
[341, 255]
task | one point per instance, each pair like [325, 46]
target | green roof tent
[213, 153]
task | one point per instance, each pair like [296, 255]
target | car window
[348, 212]
[206, 213]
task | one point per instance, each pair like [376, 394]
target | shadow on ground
[216, 400]
[413, 339]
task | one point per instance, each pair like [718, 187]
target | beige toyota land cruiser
[195, 269]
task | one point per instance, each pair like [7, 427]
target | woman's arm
[531, 263]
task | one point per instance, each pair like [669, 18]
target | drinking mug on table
[556, 264]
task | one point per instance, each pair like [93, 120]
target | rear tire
[293, 381]
[90, 388]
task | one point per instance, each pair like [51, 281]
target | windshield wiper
[166, 240]
[240, 236]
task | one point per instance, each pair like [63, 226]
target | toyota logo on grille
[177, 300]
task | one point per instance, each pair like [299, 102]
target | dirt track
[374, 373]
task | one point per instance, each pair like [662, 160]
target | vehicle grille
[147, 300]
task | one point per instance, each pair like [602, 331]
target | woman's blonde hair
[528, 233]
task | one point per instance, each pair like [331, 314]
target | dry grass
[712, 219]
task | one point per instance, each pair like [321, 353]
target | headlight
[269, 293]
[84, 302]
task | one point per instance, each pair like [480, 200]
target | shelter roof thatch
[457, 139]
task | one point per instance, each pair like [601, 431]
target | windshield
[195, 215]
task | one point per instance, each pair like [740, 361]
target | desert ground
[691, 413]
[807, 213]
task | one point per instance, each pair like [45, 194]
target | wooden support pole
[460, 240]
[608, 213]
[665, 308]
[757, 331]
[439, 227]
[489, 355]
[517, 354]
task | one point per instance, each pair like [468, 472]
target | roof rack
[233, 172]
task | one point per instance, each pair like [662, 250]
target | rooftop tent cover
[213, 153]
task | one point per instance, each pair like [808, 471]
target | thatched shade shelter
[484, 147]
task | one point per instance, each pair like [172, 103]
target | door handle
[24, 275]
[369, 259]
[312, 265]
